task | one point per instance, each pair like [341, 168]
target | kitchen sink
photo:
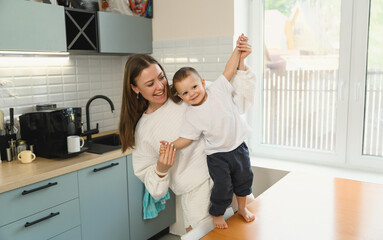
[111, 139]
[104, 144]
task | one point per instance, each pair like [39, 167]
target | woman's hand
[245, 49]
[166, 158]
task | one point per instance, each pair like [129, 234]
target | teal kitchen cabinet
[140, 228]
[125, 34]
[103, 195]
[72, 234]
[45, 224]
[31, 26]
[41, 210]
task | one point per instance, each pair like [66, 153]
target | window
[315, 68]
[300, 73]
[365, 121]
[373, 120]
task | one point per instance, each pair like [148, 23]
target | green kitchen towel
[151, 206]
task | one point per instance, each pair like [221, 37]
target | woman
[148, 116]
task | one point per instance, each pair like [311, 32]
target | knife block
[4, 145]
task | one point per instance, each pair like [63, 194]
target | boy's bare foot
[219, 222]
[189, 229]
[246, 214]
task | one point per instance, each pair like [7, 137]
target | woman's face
[151, 84]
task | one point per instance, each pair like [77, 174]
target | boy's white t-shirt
[218, 119]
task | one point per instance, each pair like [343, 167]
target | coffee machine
[48, 130]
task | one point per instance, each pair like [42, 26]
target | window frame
[350, 92]
[357, 98]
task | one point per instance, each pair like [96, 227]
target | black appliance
[48, 130]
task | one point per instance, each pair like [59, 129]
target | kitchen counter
[83, 204]
[16, 174]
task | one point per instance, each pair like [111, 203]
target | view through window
[301, 41]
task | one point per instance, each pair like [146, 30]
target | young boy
[213, 114]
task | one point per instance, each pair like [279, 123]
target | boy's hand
[244, 47]
[166, 158]
[163, 147]
[245, 50]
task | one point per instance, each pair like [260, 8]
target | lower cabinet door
[104, 201]
[73, 234]
[45, 224]
[140, 228]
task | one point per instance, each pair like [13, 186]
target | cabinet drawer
[24, 201]
[45, 224]
[73, 234]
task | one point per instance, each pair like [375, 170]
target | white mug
[26, 156]
[73, 143]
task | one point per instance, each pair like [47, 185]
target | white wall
[185, 19]
[200, 33]
[241, 18]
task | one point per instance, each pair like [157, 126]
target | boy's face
[192, 90]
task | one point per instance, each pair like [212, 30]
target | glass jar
[21, 146]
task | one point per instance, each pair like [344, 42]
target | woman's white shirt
[189, 169]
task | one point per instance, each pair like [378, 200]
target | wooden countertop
[309, 206]
[16, 174]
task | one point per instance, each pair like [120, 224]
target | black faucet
[88, 133]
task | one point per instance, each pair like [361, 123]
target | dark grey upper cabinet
[81, 31]
[31, 26]
[124, 34]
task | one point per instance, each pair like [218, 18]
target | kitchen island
[311, 206]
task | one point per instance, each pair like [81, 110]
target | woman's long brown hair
[132, 107]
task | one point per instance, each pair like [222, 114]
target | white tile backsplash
[208, 56]
[54, 98]
[72, 82]
[69, 70]
[52, 80]
[39, 98]
[69, 88]
[42, 80]
[82, 78]
[69, 79]
[67, 85]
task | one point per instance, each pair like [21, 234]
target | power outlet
[3, 84]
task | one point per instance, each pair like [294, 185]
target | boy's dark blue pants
[231, 172]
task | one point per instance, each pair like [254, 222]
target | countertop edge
[14, 174]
